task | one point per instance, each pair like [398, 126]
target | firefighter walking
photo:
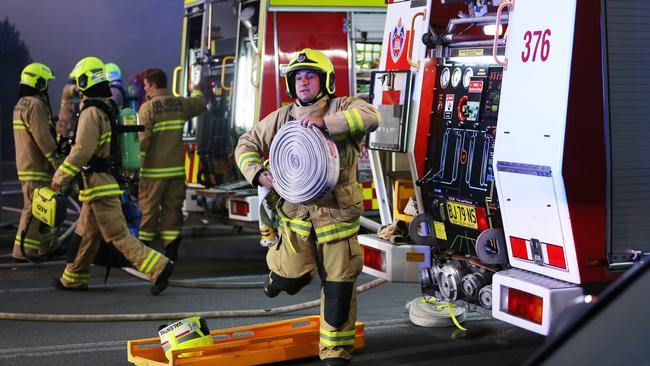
[162, 177]
[101, 214]
[320, 236]
[36, 154]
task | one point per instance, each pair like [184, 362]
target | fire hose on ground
[174, 316]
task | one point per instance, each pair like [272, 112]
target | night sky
[135, 34]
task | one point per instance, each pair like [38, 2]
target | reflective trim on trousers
[149, 262]
[77, 278]
[333, 339]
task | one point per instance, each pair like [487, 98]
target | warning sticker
[440, 230]
[449, 106]
[476, 86]
[414, 257]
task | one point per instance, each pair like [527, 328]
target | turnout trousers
[322, 237]
[161, 203]
[103, 219]
[38, 234]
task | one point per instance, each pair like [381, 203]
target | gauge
[467, 76]
[455, 77]
[444, 77]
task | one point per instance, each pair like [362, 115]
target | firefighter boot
[270, 290]
[163, 279]
[336, 361]
[56, 283]
[171, 250]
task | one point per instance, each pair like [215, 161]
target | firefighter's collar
[158, 93]
[85, 98]
[317, 108]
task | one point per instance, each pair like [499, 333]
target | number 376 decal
[532, 45]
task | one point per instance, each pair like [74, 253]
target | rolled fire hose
[304, 163]
[172, 316]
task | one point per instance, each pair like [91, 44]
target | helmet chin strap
[318, 97]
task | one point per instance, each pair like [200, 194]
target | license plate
[463, 215]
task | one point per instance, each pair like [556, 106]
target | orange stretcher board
[249, 345]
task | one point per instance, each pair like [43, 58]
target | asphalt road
[224, 256]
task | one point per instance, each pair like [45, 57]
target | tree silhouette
[14, 56]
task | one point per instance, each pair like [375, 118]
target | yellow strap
[448, 305]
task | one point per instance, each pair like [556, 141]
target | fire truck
[238, 49]
[520, 130]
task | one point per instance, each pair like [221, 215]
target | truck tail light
[239, 208]
[523, 305]
[555, 256]
[374, 258]
[481, 219]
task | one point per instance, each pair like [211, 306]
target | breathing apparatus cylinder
[128, 141]
[49, 206]
[187, 333]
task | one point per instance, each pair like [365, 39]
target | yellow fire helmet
[188, 333]
[88, 72]
[309, 59]
[36, 75]
[113, 72]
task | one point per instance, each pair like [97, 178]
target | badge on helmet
[309, 59]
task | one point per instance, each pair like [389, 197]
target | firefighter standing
[319, 236]
[36, 155]
[101, 214]
[114, 76]
[162, 177]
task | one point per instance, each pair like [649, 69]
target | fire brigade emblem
[397, 39]
[301, 58]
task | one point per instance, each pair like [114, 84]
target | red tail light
[374, 258]
[481, 219]
[524, 305]
[239, 208]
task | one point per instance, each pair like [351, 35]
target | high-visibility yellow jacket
[35, 140]
[93, 139]
[161, 143]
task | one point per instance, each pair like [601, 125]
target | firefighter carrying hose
[36, 152]
[162, 177]
[101, 215]
[322, 235]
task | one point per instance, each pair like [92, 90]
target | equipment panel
[458, 187]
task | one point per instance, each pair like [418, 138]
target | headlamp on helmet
[88, 72]
[309, 59]
[36, 75]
